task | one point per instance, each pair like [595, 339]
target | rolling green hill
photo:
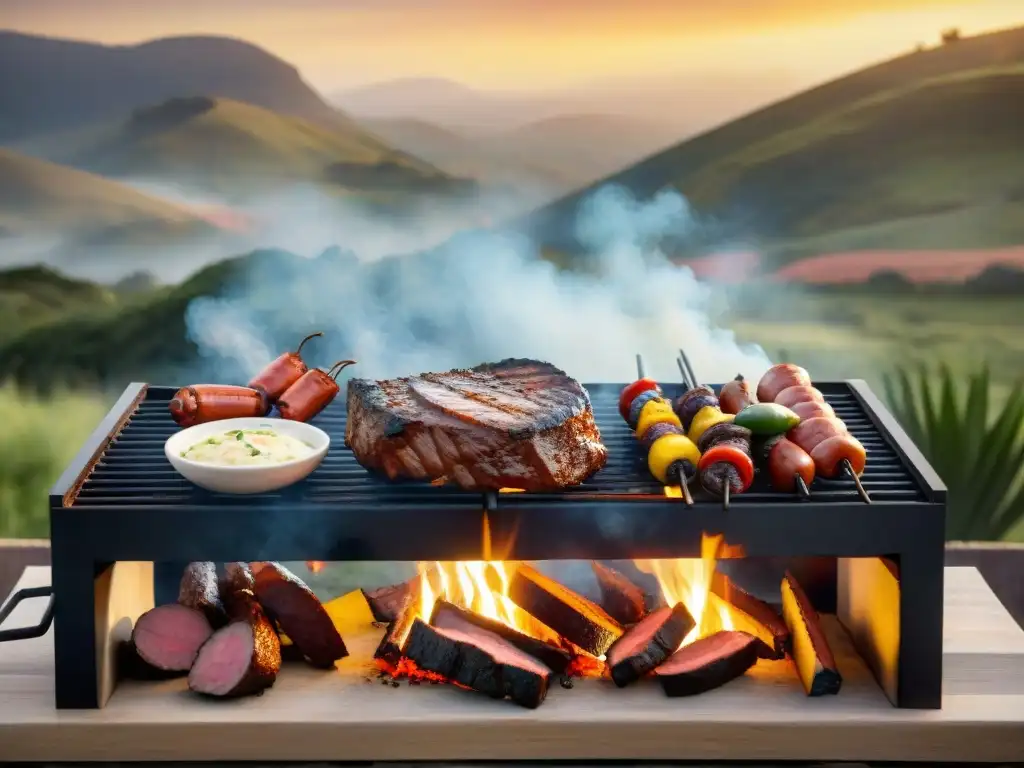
[925, 150]
[232, 147]
[33, 295]
[39, 197]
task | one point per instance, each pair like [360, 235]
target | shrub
[976, 448]
[38, 437]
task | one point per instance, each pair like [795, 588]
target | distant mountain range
[64, 84]
[233, 148]
[685, 102]
[923, 151]
[38, 198]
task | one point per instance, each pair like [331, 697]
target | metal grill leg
[921, 607]
[74, 626]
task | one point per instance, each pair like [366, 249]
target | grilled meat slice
[513, 424]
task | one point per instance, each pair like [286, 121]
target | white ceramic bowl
[246, 479]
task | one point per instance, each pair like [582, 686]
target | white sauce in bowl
[247, 447]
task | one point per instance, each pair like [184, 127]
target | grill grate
[133, 470]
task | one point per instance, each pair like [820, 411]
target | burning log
[240, 659]
[621, 598]
[199, 590]
[293, 606]
[814, 661]
[753, 616]
[446, 616]
[389, 650]
[574, 617]
[648, 644]
[709, 662]
[478, 660]
[169, 637]
[386, 602]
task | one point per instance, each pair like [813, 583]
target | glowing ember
[315, 566]
[688, 581]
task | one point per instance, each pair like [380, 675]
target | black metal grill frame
[120, 500]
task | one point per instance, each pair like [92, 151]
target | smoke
[482, 295]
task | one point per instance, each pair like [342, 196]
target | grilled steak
[514, 424]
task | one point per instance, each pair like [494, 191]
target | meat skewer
[820, 433]
[671, 457]
[726, 464]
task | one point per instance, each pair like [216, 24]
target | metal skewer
[689, 367]
[682, 372]
[848, 468]
[683, 488]
[802, 490]
[725, 495]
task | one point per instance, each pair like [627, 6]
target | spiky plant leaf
[976, 451]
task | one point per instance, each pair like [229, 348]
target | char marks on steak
[513, 424]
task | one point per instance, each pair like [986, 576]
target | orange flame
[480, 586]
[315, 566]
[688, 581]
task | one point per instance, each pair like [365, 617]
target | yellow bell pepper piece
[656, 412]
[349, 613]
[668, 449]
[706, 418]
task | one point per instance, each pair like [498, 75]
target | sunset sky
[529, 44]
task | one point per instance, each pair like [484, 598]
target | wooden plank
[349, 715]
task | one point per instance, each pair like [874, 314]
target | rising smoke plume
[484, 295]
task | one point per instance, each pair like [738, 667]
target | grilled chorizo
[780, 377]
[282, 372]
[786, 461]
[811, 408]
[807, 434]
[313, 392]
[201, 403]
[799, 394]
[830, 454]
[736, 395]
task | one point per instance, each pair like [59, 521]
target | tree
[950, 35]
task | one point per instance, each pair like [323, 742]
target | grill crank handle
[27, 633]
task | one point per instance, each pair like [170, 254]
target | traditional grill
[120, 500]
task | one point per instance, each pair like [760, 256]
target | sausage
[198, 589]
[811, 408]
[288, 601]
[281, 373]
[801, 393]
[313, 392]
[169, 637]
[778, 378]
[736, 395]
[807, 434]
[242, 659]
[829, 454]
[201, 403]
[787, 460]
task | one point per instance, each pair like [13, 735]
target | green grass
[40, 435]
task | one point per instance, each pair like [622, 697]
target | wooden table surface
[349, 715]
